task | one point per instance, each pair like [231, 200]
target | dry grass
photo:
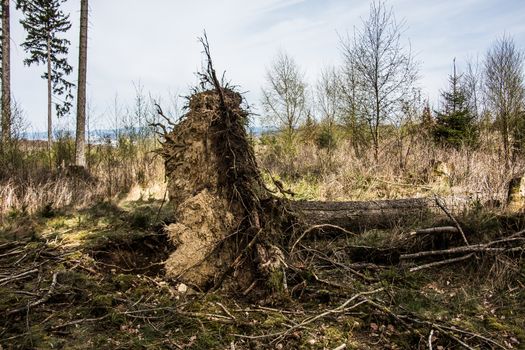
[32, 186]
[314, 173]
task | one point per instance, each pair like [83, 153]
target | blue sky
[155, 42]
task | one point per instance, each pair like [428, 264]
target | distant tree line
[375, 89]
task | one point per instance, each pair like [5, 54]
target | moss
[333, 334]
[123, 282]
[273, 320]
[103, 301]
[496, 325]
[205, 341]
[275, 282]
[353, 324]
[8, 299]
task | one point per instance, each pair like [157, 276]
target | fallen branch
[441, 262]
[435, 230]
[75, 322]
[478, 248]
[319, 227]
[448, 330]
[451, 217]
[41, 300]
[440, 327]
[10, 245]
[14, 252]
[340, 309]
[17, 277]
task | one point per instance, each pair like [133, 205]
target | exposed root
[228, 222]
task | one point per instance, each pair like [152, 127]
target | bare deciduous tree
[386, 69]
[328, 95]
[284, 96]
[473, 87]
[351, 100]
[505, 90]
[328, 98]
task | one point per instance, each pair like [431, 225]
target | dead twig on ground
[478, 248]
[319, 227]
[75, 322]
[430, 339]
[435, 230]
[441, 263]
[24, 274]
[451, 217]
[41, 300]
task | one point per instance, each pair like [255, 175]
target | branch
[442, 206]
[41, 300]
[465, 249]
[315, 227]
[440, 263]
[435, 230]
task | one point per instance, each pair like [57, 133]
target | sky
[155, 44]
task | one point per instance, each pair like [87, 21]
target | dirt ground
[94, 279]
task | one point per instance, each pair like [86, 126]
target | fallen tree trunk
[358, 216]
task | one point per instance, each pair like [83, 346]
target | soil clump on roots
[228, 224]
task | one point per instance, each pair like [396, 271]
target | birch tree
[505, 92]
[385, 67]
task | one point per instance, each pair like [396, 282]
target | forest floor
[93, 279]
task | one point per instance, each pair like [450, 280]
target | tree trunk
[366, 215]
[49, 101]
[6, 74]
[80, 139]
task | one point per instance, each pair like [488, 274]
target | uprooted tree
[232, 231]
[229, 224]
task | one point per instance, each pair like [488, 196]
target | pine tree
[44, 21]
[455, 123]
[427, 121]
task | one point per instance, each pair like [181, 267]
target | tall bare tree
[386, 69]
[284, 95]
[328, 95]
[6, 73]
[328, 98]
[505, 92]
[351, 95]
[80, 138]
[473, 84]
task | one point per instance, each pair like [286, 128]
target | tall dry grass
[31, 182]
[415, 167]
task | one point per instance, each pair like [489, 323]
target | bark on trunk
[49, 101]
[359, 216]
[6, 74]
[80, 139]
